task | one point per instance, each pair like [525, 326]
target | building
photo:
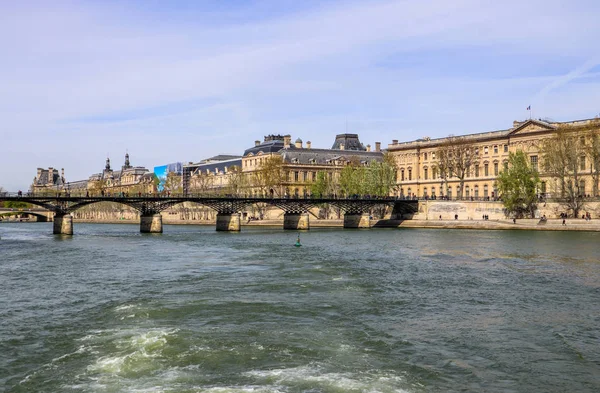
[48, 181]
[241, 175]
[132, 179]
[418, 166]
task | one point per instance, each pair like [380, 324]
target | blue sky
[184, 80]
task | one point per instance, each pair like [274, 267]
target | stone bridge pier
[296, 221]
[357, 220]
[151, 223]
[63, 224]
[228, 222]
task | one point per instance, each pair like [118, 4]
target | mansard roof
[325, 156]
[350, 142]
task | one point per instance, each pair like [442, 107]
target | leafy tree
[382, 176]
[352, 178]
[319, 188]
[517, 186]
[456, 156]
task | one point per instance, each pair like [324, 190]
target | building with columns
[418, 174]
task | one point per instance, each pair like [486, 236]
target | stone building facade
[128, 179]
[300, 165]
[419, 177]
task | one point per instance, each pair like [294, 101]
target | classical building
[130, 179]
[300, 165]
[127, 179]
[48, 181]
[419, 175]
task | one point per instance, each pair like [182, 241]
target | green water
[193, 310]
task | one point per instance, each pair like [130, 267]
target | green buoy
[298, 242]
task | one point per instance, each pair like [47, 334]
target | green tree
[352, 180]
[172, 183]
[270, 176]
[237, 181]
[517, 186]
[320, 187]
[381, 176]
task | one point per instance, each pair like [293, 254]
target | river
[380, 310]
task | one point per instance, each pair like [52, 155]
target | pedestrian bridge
[356, 210]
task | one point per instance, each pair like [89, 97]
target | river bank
[521, 224]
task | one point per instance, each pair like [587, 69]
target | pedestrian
[456, 216]
[440, 217]
[514, 220]
[564, 222]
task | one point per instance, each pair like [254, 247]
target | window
[450, 192]
[425, 173]
[425, 156]
[496, 149]
[582, 163]
[314, 176]
[402, 174]
[433, 155]
[485, 150]
[543, 187]
[434, 173]
[506, 148]
[304, 176]
[534, 162]
[425, 192]
[582, 187]
[505, 165]
[476, 191]
[495, 168]
[486, 170]
[433, 192]
[476, 170]
[467, 194]
[410, 174]
[485, 191]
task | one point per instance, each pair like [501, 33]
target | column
[296, 221]
[228, 222]
[151, 223]
[357, 220]
[63, 224]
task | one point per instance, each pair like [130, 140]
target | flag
[529, 108]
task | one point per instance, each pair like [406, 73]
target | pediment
[532, 126]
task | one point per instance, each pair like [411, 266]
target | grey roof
[272, 146]
[324, 156]
[213, 167]
[221, 157]
[44, 178]
[350, 141]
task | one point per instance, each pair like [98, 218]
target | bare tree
[564, 161]
[592, 149]
[270, 176]
[237, 181]
[201, 182]
[456, 156]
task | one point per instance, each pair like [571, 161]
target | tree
[564, 161]
[237, 181]
[382, 176]
[352, 178]
[456, 156]
[201, 182]
[592, 149]
[270, 176]
[517, 186]
[171, 184]
[319, 188]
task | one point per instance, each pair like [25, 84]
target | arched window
[476, 191]
[582, 187]
[425, 192]
[467, 191]
[485, 191]
[450, 192]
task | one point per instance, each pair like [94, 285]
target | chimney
[62, 172]
[298, 143]
[341, 146]
[308, 144]
[377, 146]
[287, 140]
[256, 143]
[39, 172]
[394, 141]
[368, 147]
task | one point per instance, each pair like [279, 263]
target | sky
[170, 81]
